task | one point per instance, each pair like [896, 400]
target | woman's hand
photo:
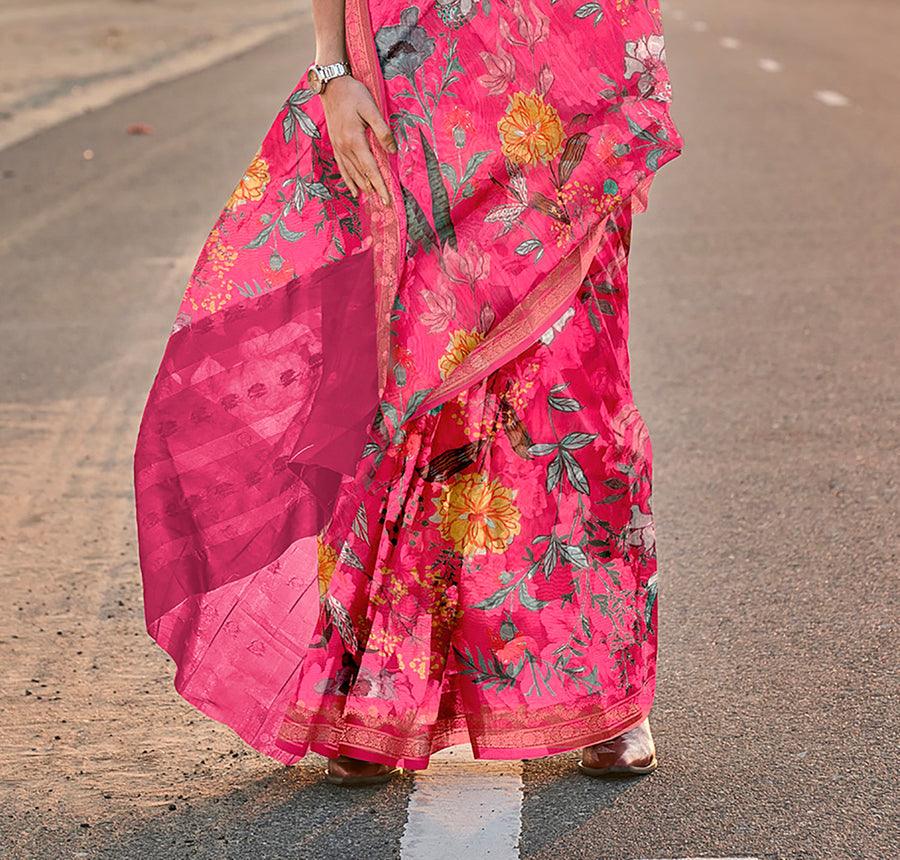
[349, 108]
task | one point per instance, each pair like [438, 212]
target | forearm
[328, 20]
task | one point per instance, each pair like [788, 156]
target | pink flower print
[605, 148]
[512, 651]
[647, 57]
[441, 310]
[501, 71]
[466, 267]
[640, 531]
[529, 34]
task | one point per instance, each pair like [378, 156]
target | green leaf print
[262, 237]
[496, 599]
[419, 230]
[574, 441]
[575, 555]
[652, 589]
[487, 671]
[575, 474]
[440, 202]
[653, 158]
[289, 235]
[554, 472]
[528, 601]
[528, 246]
[640, 133]
[588, 9]
[414, 403]
[564, 404]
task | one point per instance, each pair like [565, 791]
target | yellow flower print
[252, 185]
[530, 130]
[327, 562]
[419, 665]
[461, 344]
[477, 514]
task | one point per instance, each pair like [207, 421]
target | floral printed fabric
[497, 519]
[497, 582]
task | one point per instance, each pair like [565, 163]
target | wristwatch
[318, 76]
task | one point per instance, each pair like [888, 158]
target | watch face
[314, 79]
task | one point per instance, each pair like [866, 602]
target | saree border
[534, 313]
[386, 227]
[519, 733]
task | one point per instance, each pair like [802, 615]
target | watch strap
[333, 70]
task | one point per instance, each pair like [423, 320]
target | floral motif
[477, 515]
[514, 649]
[441, 310]
[640, 531]
[252, 184]
[403, 48]
[530, 130]
[327, 558]
[455, 13]
[497, 522]
[647, 57]
[457, 123]
[461, 344]
[501, 71]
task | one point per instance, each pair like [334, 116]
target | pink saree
[393, 492]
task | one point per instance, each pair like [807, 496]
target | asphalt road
[764, 350]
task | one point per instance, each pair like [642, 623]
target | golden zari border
[520, 732]
[384, 224]
[535, 312]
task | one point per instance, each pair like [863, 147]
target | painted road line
[700, 26]
[730, 42]
[767, 64]
[831, 98]
[460, 807]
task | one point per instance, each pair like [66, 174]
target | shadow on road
[291, 813]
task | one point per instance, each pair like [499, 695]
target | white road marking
[700, 26]
[460, 807]
[677, 14]
[730, 42]
[767, 64]
[831, 98]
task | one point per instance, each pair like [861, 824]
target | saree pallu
[393, 492]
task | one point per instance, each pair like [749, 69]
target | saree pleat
[392, 488]
[440, 628]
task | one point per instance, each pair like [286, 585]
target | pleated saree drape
[393, 491]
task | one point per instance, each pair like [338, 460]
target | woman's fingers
[345, 174]
[382, 131]
[366, 166]
[352, 176]
[349, 109]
